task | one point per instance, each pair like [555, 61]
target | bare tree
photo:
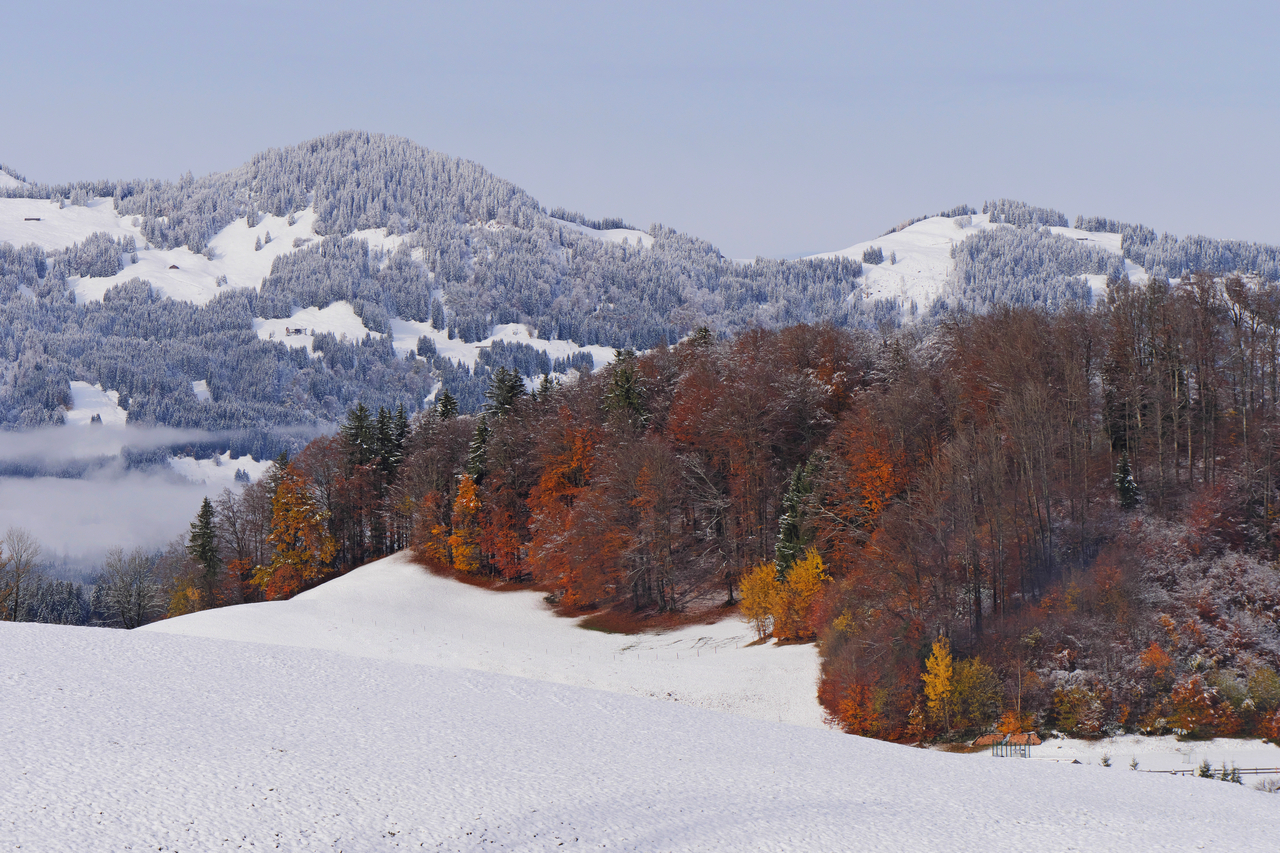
[19, 552]
[132, 591]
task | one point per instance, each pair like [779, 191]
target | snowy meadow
[305, 725]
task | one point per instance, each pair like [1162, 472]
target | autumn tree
[795, 596]
[759, 588]
[939, 682]
[302, 543]
[464, 542]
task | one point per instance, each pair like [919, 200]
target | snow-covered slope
[183, 275]
[611, 235]
[89, 400]
[394, 609]
[241, 256]
[118, 740]
[29, 220]
[924, 265]
[338, 319]
[407, 332]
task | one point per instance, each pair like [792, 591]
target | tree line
[1078, 506]
[1017, 520]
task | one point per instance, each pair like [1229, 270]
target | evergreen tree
[400, 434]
[1126, 489]
[384, 443]
[545, 388]
[202, 545]
[446, 405]
[275, 473]
[505, 388]
[359, 434]
[477, 464]
[794, 533]
[623, 397]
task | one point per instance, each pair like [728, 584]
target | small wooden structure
[1010, 746]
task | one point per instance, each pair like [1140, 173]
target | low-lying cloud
[55, 446]
[77, 520]
[78, 492]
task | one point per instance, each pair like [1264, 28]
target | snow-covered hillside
[394, 609]
[154, 740]
[218, 472]
[44, 223]
[8, 181]
[922, 267]
[611, 235]
[90, 401]
[241, 255]
[183, 275]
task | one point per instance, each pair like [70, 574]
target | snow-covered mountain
[360, 717]
[358, 267]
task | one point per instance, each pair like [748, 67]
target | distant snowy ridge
[440, 261]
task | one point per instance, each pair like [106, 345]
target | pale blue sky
[767, 130]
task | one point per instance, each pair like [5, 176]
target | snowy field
[89, 400]
[395, 610]
[407, 332]
[334, 737]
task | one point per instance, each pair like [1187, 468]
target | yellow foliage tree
[185, 599]
[939, 681]
[464, 542]
[302, 542]
[975, 694]
[784, 606]
[759, 588]
[795, 597]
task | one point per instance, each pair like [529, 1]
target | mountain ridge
[190, 298]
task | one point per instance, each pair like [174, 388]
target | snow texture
[218, 472]
[89, 400]
[394, 609]
[407, 332]
[146, 739]
[609, 235]
[338, 318]
[924, 263]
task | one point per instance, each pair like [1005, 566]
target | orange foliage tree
[301, 539]
[464, 541]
